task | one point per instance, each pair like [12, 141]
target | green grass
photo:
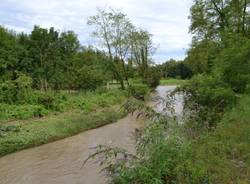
[15, 112]
[32, 133]
[171, 81]
[224, 155]
[76, 113]
[62, 102]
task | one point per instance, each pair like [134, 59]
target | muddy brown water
[61, 161]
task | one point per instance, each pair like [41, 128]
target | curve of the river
[61, 161]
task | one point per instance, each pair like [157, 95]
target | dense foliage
[220, 52]
[128, 46]
[52, 87]
[47, 59]
[82, 111]
[52, 60]
[138, 90]
[212, 145]
[175, 69]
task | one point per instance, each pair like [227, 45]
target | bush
[40, 103]
[153, 79]
[138, 90]
[5, 129]
[50, 100]
[207, 97]
[157, 157]
[16, 91]
[234, 65]
[47, 100]
[210, 91]
[223, 154]
[13, 112]
[88, 79]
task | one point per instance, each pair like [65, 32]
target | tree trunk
[122, 84]
[125, 72]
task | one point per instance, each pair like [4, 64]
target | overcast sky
[167, 20]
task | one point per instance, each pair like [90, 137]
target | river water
[61, 161]
[159, 100]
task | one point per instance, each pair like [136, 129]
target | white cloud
[165, 19]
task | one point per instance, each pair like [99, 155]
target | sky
[166, 20]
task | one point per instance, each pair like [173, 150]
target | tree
[175, 69]
[69, 47]
[52, 56]
[233, 65]
[141, 48]
[10, 50]
[44, 48]
[89, 69]
[113, 28]
[201, 56]
[214, 23]
[211, 19]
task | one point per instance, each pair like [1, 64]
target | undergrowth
[41, 104]
[166, 154]
[32, 133]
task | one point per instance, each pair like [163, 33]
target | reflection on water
[161, 101]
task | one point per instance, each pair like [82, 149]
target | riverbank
[222, 156]
[42, 104]
[172, 81]
[61, 161]
[84, 112]
[172, 155]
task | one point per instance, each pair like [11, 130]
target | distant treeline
[175, 69]
[51, 59]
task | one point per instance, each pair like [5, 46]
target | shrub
[234, 65]
[5, 129]
[47, 100]
[16, 91]
[50, 100]
[153, 78]
[138, 90]
[206, 99]
[12, 112]
[84, 105]
[155, 162]
[210, 91]
[223, 154]
[88, 79]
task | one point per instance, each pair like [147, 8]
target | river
[61, 161]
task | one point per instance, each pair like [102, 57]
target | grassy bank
[32, 133]
[171, 81]
[81, 112]
[223, 155]
[167, 154]
[41, 104]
